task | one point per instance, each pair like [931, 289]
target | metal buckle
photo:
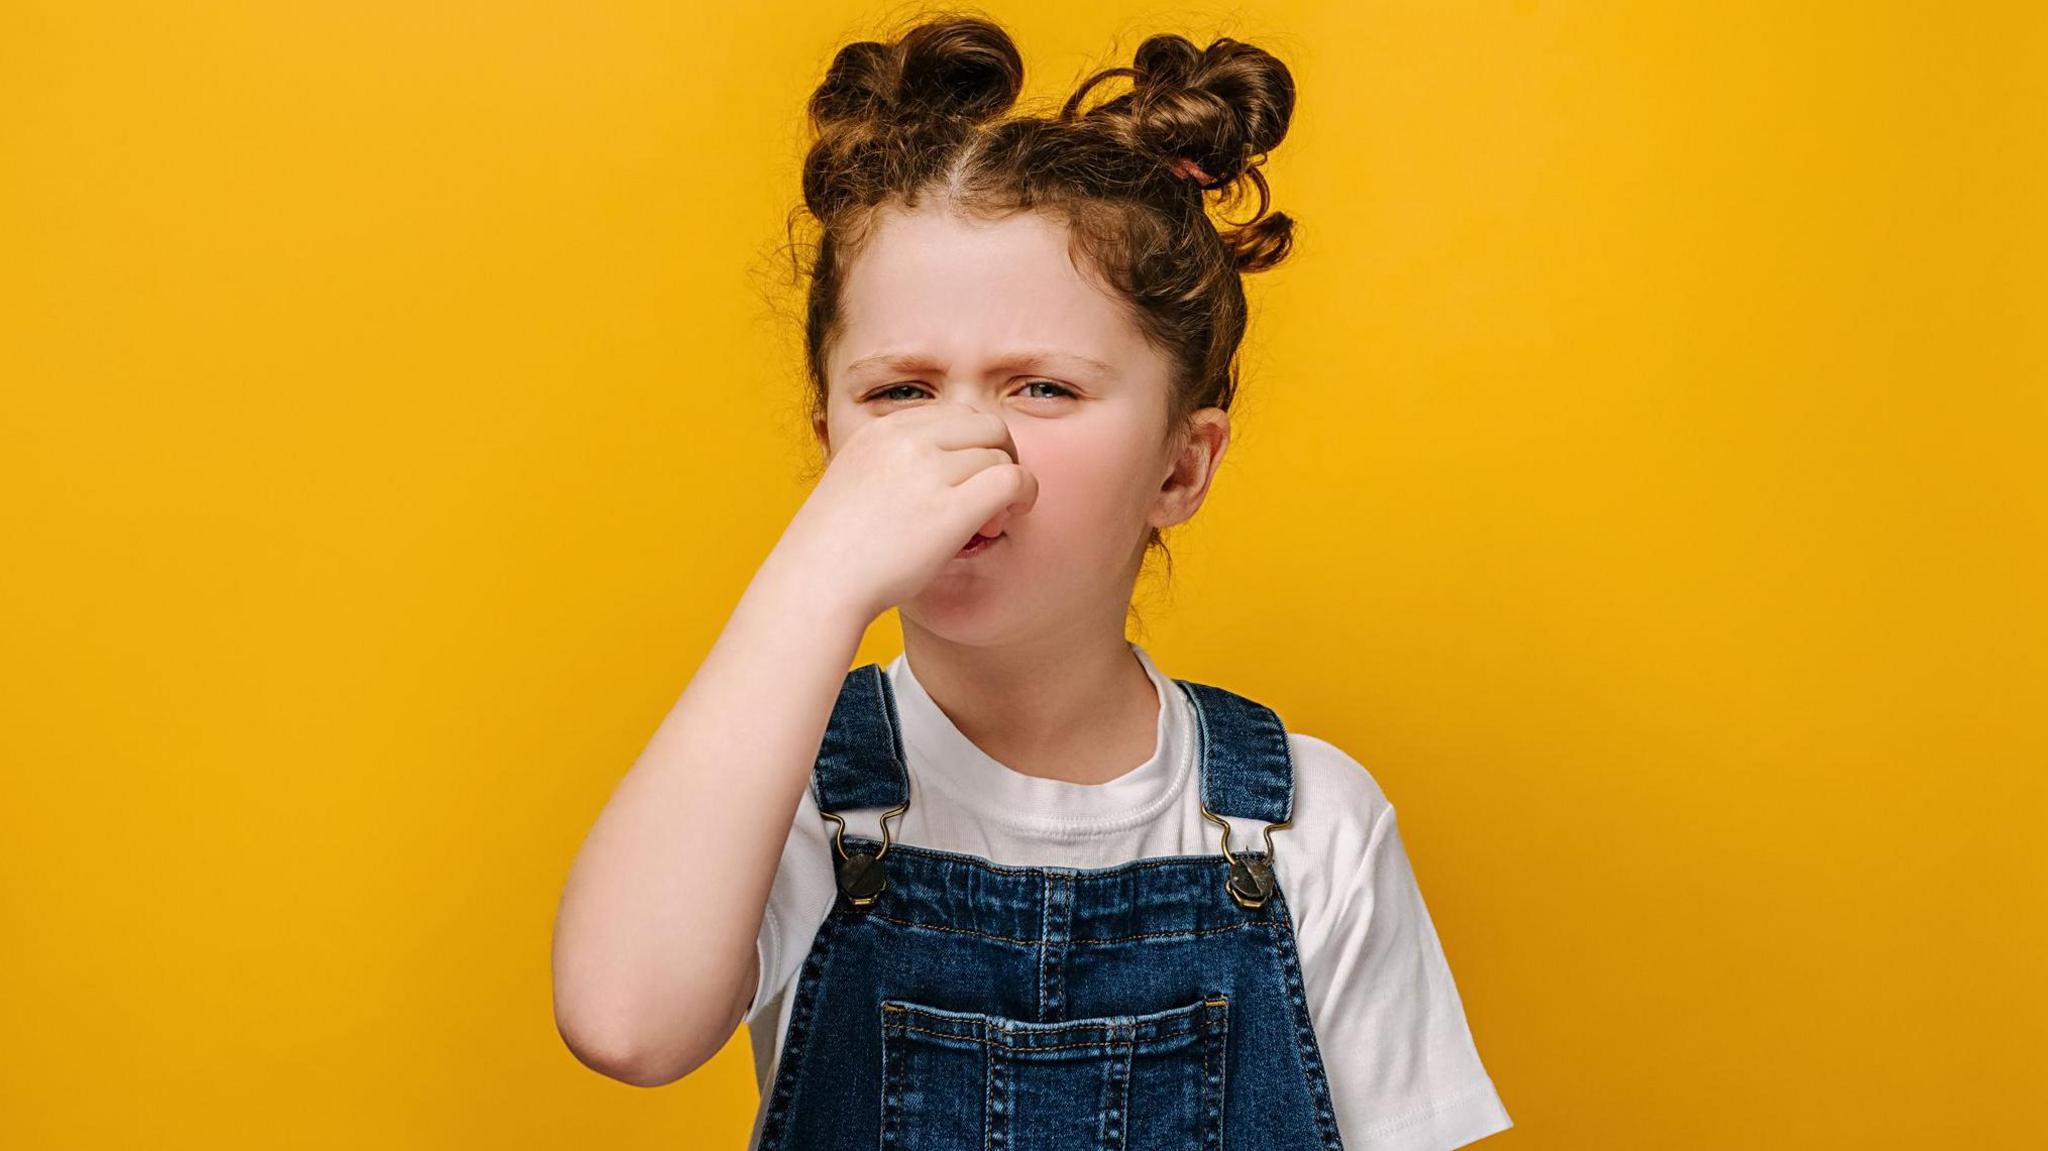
[861, 875]
[1251, 880]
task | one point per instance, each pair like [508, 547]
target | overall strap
[1247, 771]
[861, 761]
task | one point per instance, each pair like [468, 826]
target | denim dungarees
[1154, 1005]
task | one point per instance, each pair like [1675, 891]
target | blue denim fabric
[977, 1005]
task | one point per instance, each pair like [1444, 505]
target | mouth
[979, 544]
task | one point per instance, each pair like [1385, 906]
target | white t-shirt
[1404, 1073]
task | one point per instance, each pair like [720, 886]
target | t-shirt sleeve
[1404, 1072]
[798, 902]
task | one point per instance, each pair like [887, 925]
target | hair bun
[961, 68]
[1213, 112]
[1205, 117]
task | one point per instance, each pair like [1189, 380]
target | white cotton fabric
[1403, 1069]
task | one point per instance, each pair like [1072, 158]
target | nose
[977, 404]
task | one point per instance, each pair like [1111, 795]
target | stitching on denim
[1287, 754]
[1202, 743]
[885, 695]
[1208, 1092]
[988, 1100]
[1259, 710]
[1223, 1075]
[1215, 1083]
[1066, 942]
[892, 1101]
[1186, 1019]
[1280, 937]
[1188, 933]
[1106, 1044]
[796, 1037]
[1044, 943]
[1089, 875]
[1113, 1131]
[1209, 1015]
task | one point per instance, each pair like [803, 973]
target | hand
[902, 494]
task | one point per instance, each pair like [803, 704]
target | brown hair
[1131, 176]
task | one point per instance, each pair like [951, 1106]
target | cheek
[1086, 485]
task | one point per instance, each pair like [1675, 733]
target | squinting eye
[916, 389]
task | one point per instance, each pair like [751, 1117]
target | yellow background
[1639, 470]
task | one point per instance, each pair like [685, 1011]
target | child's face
[964, 303]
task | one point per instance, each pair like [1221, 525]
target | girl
[1019, 888]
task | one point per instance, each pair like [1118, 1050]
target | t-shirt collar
[945, 758]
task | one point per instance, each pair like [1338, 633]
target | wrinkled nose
[976, 405]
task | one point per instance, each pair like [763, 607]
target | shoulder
[1328, 857]
[1339, 807]
[1332, 771]
[1336, 797]
[1329, 783]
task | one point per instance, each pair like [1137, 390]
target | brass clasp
[1251, 880]
[861, 875]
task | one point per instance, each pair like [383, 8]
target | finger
[958, 465]
[957, 425]
[1011, 489]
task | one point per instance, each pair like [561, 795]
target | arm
[654, 957]
[654, 948]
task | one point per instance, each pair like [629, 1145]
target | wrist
[797, 588]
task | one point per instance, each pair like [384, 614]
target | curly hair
[1132, 177]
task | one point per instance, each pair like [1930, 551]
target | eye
[892, 391]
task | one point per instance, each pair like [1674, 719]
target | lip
[979, 545]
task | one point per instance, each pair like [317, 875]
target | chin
[964, 612]
[974, 611]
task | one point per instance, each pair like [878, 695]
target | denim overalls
[953, 1004]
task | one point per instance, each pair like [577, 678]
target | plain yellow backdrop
[1639, 469]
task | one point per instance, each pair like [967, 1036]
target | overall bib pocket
[962, 1080]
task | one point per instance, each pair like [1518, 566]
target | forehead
[963, 290]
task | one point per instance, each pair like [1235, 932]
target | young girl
[1019, 888]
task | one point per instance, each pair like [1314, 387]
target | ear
[820, 430]
[1197, 452]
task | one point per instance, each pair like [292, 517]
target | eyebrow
[1033, 359]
